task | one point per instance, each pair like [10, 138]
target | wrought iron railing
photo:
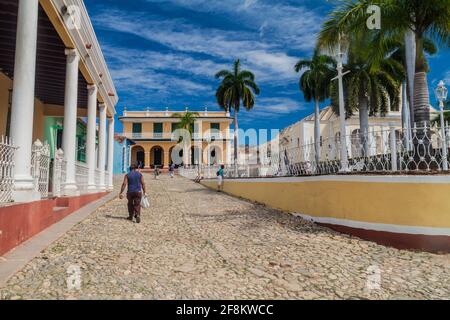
[40, 167]
[423, 149]
[107, 177]
[98, 175]
[59, 174]
[82, 177]
[7, 150]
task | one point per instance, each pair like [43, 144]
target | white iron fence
[422, 150]
[49, 175]
[7, 150]
[107, 177]
[98, 175]
[59, 174]
[40, 167]
[82, 177]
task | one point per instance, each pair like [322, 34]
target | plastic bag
[145, 203]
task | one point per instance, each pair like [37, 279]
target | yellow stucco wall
[39, 121]
[5, 85]
[39, 110]
[404, 204]
[127, 127]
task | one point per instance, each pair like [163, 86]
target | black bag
[217, 173]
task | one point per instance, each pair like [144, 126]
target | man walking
[136, 185]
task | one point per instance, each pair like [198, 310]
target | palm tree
[370, 87]
[237, 86]
[426, 19]
[315, 83]
[187, 122]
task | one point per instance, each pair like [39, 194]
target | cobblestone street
[195, 243]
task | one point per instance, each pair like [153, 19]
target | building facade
[52, 74]
[301, 133]
[122, 154]
[158, 145]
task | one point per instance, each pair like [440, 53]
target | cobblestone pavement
[197, 244]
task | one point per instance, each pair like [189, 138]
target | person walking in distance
[220, 175]
[136, 189]
[171, 170]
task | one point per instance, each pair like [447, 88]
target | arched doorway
[214, 155]
[138, 156]
[157, 157]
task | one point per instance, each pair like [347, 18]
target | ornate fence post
[57, 173]
[36, 167]
[444, 145]
[446, 142]
[393, 143]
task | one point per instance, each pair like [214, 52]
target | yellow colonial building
[158, 143]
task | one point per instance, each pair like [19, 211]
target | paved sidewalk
[197, 244]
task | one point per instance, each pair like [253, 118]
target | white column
[70, 121]
[110, 183]
[91, 135]
[23, 99]
[102, 147]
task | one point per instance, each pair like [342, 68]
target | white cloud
[294, 25]
[447, 78]
[268, 63]
[141, 74]
[194, 52]
[272, 108]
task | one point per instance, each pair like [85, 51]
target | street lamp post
[441, 95]
[341, 74]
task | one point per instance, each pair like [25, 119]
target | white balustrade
[7, 150]
[385, 151]
[59, 174]
[82, 177]
[40, 167]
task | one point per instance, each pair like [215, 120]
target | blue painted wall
[122, 155]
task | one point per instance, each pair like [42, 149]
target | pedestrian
[220, 175]
[172, 170]
[134, 180]
[156, 172]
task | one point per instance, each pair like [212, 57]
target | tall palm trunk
[317, 131]
[364, 125]
[422, 118]
[421, 99]
[410, 59]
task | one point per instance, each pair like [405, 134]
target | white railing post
[37, 149]
[56, 183]
[444, 144]
[393, 143]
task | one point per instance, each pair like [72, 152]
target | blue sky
[166, 52]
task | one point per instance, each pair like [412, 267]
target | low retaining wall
[407, 212]
[20, 222]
